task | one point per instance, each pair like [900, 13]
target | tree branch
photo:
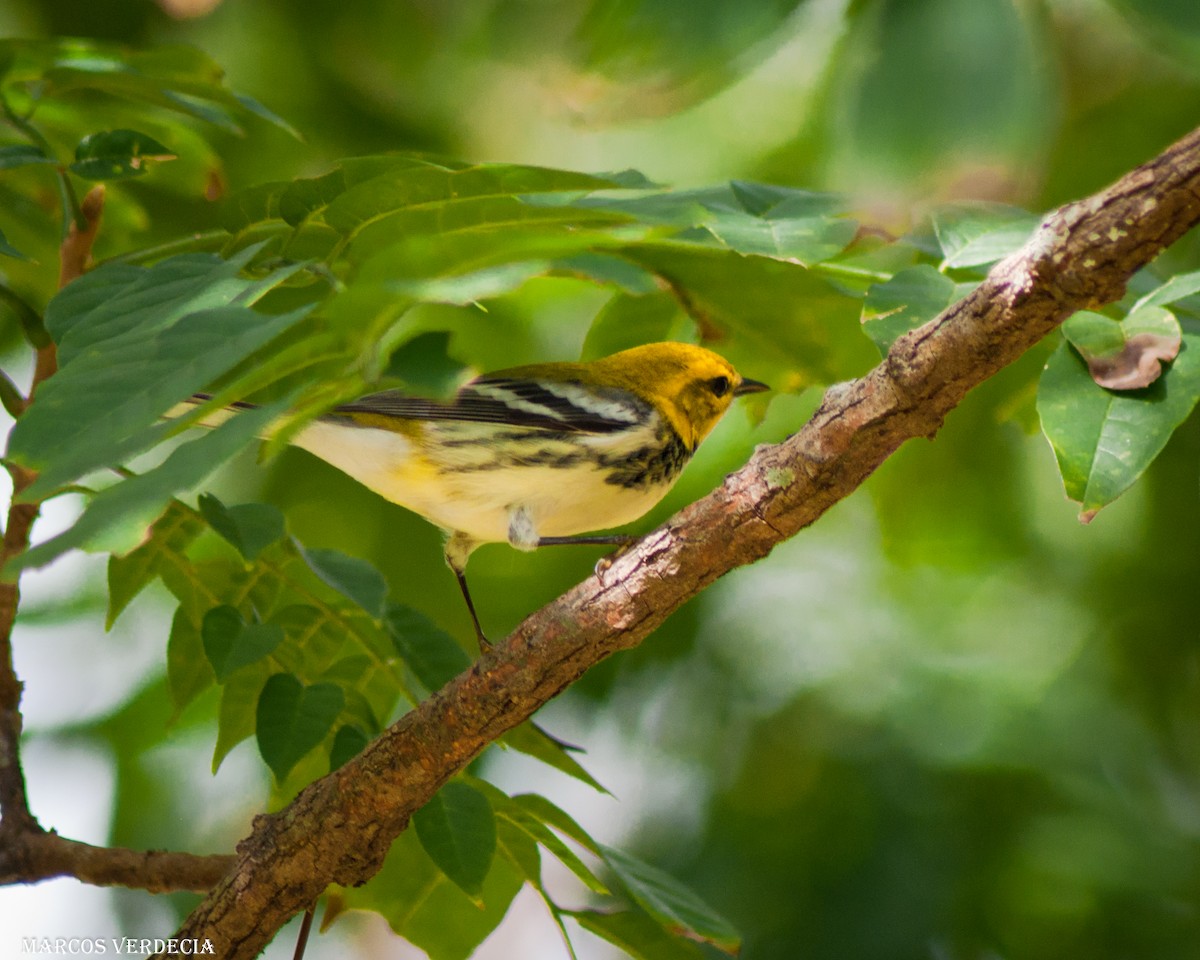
[38, 855]
[14, 805]
[340, 827]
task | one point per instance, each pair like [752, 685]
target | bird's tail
[214, 418]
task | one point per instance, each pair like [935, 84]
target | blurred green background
[947, 722]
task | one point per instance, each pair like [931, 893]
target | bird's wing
[559, 406]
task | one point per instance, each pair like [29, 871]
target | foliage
[410, 268]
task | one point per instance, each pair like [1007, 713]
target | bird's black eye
[719, 386]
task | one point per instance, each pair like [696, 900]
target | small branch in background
[39, 855]
[339, 828]
[17, 823]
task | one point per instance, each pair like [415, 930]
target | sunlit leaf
[1103, 440]
[424, 906]
[170, 536]
[977, 234]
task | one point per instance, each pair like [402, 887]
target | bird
[533, 456]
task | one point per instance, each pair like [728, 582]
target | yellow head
[690, 386]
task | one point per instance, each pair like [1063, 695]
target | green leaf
[238, 714]
[628, 321]
[1176, 288]
[8, 250]
[292, 719]
[977, 234]
[21, 155]
[188, 671]
[426, 367]
[805, 240]
[457, 828]
[776, 321]
[424, 906]
[428, 650]
[250, 527]
[116, 155]
[169, 538]
[230, 643]
[132, 343]
[1104, 441]
[439, 190]
[348, 743]
[547, 812]
[116, 519]
[352, 577]
[540, 832]
[638, 934]
[531, 740]
[672, 904]
[1127, 354]
[912, 297]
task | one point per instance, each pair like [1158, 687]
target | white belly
[479, 502]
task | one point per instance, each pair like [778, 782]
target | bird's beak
[749, 386]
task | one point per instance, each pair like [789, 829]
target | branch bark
[40, 855]
[340, 827]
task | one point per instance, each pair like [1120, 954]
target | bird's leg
[458, 549]
[484, 644]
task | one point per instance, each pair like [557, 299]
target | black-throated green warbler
[535, 455]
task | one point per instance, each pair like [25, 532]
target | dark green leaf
[116, 154]
[637, 933]
[230, 643]
[292, 719]
[250, 527]
[672, 904]
[348, 743]
[427, 650]
[352, 577]
[20, 155]
[457, 828]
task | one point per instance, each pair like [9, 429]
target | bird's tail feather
[214, 418]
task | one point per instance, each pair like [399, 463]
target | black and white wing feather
[556, 406]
